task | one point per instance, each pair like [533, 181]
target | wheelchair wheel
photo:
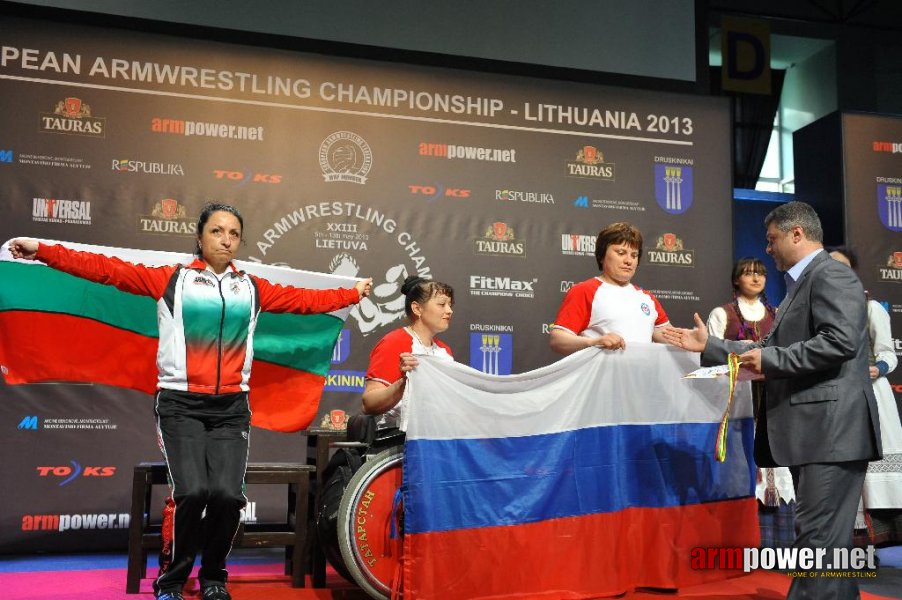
[370, 552]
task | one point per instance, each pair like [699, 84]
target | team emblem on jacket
[201, 280]
[645, 309]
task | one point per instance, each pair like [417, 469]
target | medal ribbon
[720, 447]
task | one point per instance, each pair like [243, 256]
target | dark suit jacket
[819, 401]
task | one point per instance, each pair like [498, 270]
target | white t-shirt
[593, 308]
[384, 366]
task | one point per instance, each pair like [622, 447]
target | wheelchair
[359, 518]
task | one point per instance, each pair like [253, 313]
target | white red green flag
[57, 327]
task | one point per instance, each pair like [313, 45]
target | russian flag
[589, 477]
[57, 327]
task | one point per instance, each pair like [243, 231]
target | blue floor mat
[116, 560]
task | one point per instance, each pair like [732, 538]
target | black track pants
[204, 438]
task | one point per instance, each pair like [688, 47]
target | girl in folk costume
[750, 317]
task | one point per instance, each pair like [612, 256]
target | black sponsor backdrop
[414, 213]
[872, 147]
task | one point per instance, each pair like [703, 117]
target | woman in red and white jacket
[207, 312]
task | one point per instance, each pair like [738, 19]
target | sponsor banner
[339, 166]
[499, 240]
[147, 167]
[242, 178]
[438, 191]
[168, 217]
[459, 152]
[613, 204]
[66, 474]
[484, 285]
[574, 244]
[669, 251]
[92, 424]
[72, 116]
[892, 147]
[69, 212]
[228, 131]
[48, 160]
[590, 164]
[527, 197]
[74, 522]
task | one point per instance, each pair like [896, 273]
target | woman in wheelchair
[428, 305]
[364, 473]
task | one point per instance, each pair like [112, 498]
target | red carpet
[255, 582]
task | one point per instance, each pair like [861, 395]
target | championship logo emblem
[673, 188]
[889, 206]
[345, 156]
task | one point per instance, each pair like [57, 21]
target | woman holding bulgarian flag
[207, 312]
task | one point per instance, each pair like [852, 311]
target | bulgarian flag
[57, 327]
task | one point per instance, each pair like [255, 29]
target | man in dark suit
[819, 416]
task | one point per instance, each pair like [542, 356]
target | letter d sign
[745, 49]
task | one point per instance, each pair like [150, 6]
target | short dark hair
[210, 208]
[846, 251]
[617, 233]
[744, 264]
[420, 290]
[793, 214]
